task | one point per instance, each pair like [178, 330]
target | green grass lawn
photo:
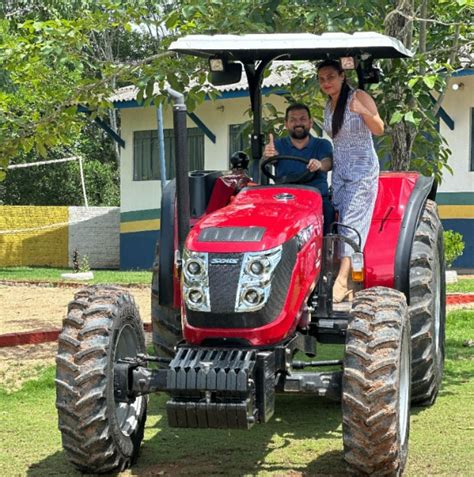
[464, 285]
[302, 438]
[53, 275]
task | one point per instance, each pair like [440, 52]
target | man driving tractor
[300, 143]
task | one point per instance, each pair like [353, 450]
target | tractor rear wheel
[166, 324]
[427, 308]
[376, 384]
[99, 434]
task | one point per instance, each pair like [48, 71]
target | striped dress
[355, 173]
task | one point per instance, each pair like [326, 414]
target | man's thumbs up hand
[270, 149]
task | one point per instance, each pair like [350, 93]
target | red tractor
[243, 282]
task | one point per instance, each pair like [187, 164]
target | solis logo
[284, 196]
[224, 261]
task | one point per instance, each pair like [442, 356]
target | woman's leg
[341, 289]
[357, 204]
[340, 200]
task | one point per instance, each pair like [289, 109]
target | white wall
[458, 105]
[216, 115]
[95, 232]
[139, 195]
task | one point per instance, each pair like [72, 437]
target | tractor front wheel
[376, 384]
[99, 434]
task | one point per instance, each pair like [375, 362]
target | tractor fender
[425, 188]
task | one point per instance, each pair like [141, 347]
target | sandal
[341, 293]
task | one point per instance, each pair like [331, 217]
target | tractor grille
[223, 283]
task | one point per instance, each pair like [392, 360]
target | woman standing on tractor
[350, 118]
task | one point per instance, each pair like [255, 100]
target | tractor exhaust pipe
[181, 165]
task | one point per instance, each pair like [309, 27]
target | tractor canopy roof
[227, 53]
[291, 46]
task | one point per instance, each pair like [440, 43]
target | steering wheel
[297, 178]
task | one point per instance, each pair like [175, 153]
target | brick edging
[28, 337]
[19, 283]
[37, 337]
[459, 299]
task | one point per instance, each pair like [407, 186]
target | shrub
[85, 267]
[80, 264]
[453, 246]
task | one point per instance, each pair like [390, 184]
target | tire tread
[82, 379]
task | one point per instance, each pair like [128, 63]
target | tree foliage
[60, 183]
[56, 57]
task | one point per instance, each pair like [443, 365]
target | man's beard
[299, 133]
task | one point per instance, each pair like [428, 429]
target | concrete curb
[65, 284]
[45, 336]
[37, 337]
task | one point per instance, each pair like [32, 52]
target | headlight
[258, 266]
[255, 279]
[253, 297]
[196, 281]
[195, 296]
[195, 269]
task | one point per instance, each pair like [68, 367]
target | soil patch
[33, 307]
[30, 308]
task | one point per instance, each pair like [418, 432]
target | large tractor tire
[376, 384]
[166, 324]
[427, 308]
[99, 434]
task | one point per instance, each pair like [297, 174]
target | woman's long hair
[338, 115]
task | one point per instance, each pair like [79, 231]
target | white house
[456, 193]
[214, 133]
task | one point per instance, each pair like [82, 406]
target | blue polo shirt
[316, 148]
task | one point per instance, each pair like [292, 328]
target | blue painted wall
[466, 228]
[137, 250]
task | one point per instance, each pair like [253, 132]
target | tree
[60, 183]
[34, 121]
[52, 65]
[406, 95]
[410, 105]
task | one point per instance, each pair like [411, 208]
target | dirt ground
[29, 308]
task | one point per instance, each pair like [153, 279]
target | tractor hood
[258, 218]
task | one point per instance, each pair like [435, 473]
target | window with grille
[238, 138]
[146, 154]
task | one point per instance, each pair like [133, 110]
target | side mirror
[231, 73]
